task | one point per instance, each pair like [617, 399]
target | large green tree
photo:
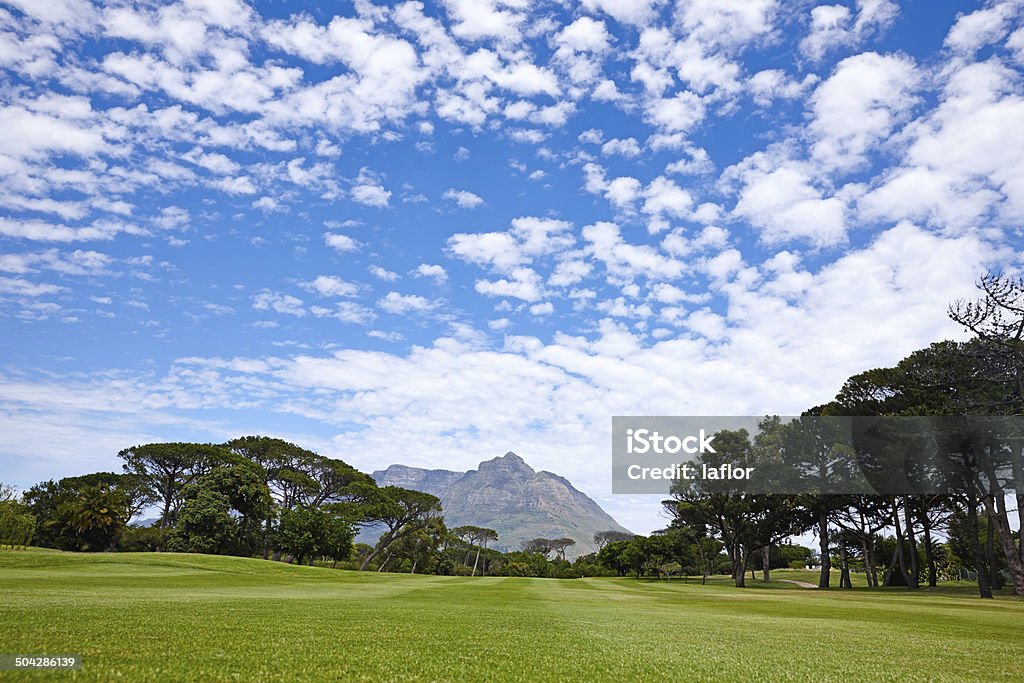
[167, 468]
[743, 522]
[401, 511]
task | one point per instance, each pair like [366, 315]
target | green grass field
[164, 617]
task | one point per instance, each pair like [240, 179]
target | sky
[430, 234]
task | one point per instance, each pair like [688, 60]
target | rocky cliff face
[507, 495]
[434, 482]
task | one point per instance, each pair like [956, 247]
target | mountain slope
[507, 495]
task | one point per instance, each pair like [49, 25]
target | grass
[164, 617]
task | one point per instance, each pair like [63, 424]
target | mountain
[509, 496]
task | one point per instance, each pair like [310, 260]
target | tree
[478, 537]
[861, 518]
[949, 380]
[613, 556]
[559, 545]
[17, 523]
[420, 547]
[248, 497]
[300, 532]
[167, 468]
[743, 522]
[997, 320]
[603, 538]
[815, 453]
[80, 513]
[222, 510]
[297, 476]
[335, 542]
[204, 523]
[7, 492]
[401, 511]
[538, 546]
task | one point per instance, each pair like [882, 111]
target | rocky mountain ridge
[509, 496]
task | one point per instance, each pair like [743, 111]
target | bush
[143, 539]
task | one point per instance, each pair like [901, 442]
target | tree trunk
[823, 546]
[382, 564]
[867, 562]
[766, 563]
[844, 566]
[1020, 518]
[891, 568]
[915, 569]
[984, 585]
[476, 561]
[703, 564]
[990, 549]
[382, 543]
[741, 570]
[998, 517]
[929, 553]
[901, 560]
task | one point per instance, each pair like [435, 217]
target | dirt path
[802, 584]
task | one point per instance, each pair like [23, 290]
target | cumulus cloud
[329, 285]
[433, 271]
[400, 304]
[368, 190]
[835, 26]
[463, 198]
[340, 242]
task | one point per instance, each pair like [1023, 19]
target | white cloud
[400, 304]
[546, 308]
[287, 304]
[778, 197]
[974, 30]
[21, 287]
[527, 239]
[727, 24]
[522, 283]
[388, 336]
[371, 194]
[77, 262]
[859, 105]
[268, 205]
[464, 198]
[235, 185]
[682, 112]
[340, 242]
[383, 274]
[831, 27]
[329, 285]
[769, 85]
[49, 232]
[631, 12]
[626, 147]
[624, 261]
[478, 19]
[435, 272]
[964, 159]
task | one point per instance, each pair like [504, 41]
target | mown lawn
[164, 617]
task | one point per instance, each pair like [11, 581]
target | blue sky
[430, 233]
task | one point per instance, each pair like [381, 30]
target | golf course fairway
[166, 617]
